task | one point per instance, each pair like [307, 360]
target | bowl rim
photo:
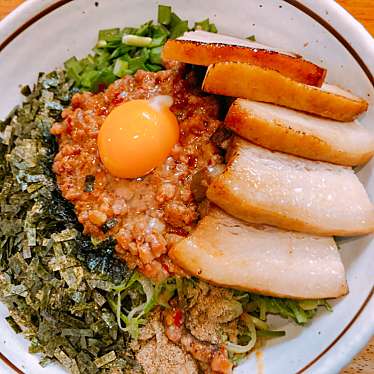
[353, 36]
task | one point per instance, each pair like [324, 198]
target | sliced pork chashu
[266, 85]
[205, 48]
[286, 130]
[293, 193]
[261, 259]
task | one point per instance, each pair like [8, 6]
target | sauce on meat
[145, 215]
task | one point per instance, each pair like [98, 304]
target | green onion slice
[136, 41]
[179, 29]
[120, 68]
[164, 14]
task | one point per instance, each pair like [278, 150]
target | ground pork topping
[157, 354]
[145, 215]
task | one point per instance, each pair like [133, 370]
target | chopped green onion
[92, 80]
[101, 44]
[213, 28]
[73, 75]
[159, 30]
[129, 30]
[120, 68]
[88, 77]
[89, 60]
[179, 29]
[106, 77]
[252, 38]
[205, 25]
[164, 14]
[159, 36]
[202, 25]
[119, 52]
[155, 56]
[136, 64]
[144, 29]
[136, 41]
[174, 20]
[153, 68]
[110, 35]
[158, 42]
[101, 59]
[73, 65]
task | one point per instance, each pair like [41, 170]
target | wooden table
[363, 10]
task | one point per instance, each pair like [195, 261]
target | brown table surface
[363, 10]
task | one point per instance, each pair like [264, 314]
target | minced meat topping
[145, 215]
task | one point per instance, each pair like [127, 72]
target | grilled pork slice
[205, 48]
[261, 84]
[262, 259]
[293, 193]
[300, 134]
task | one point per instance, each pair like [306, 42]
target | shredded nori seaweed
[53, 279]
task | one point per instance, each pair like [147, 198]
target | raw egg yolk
[137, 136]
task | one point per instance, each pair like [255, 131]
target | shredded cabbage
[134, 316]
[236, 348]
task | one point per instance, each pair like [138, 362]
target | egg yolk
[137, 136]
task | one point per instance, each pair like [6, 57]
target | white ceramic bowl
[41, 34]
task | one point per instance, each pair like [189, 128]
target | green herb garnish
[119, 52]
[164, 14]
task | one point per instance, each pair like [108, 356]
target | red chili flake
[178, 318]
[165, 267]
[103, 111]
[76, 101]
[101, 87]
[76, 152]
[192, 161]
[69, 125]
[118, 99]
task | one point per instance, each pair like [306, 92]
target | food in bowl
[146, 214]
[106, 170]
